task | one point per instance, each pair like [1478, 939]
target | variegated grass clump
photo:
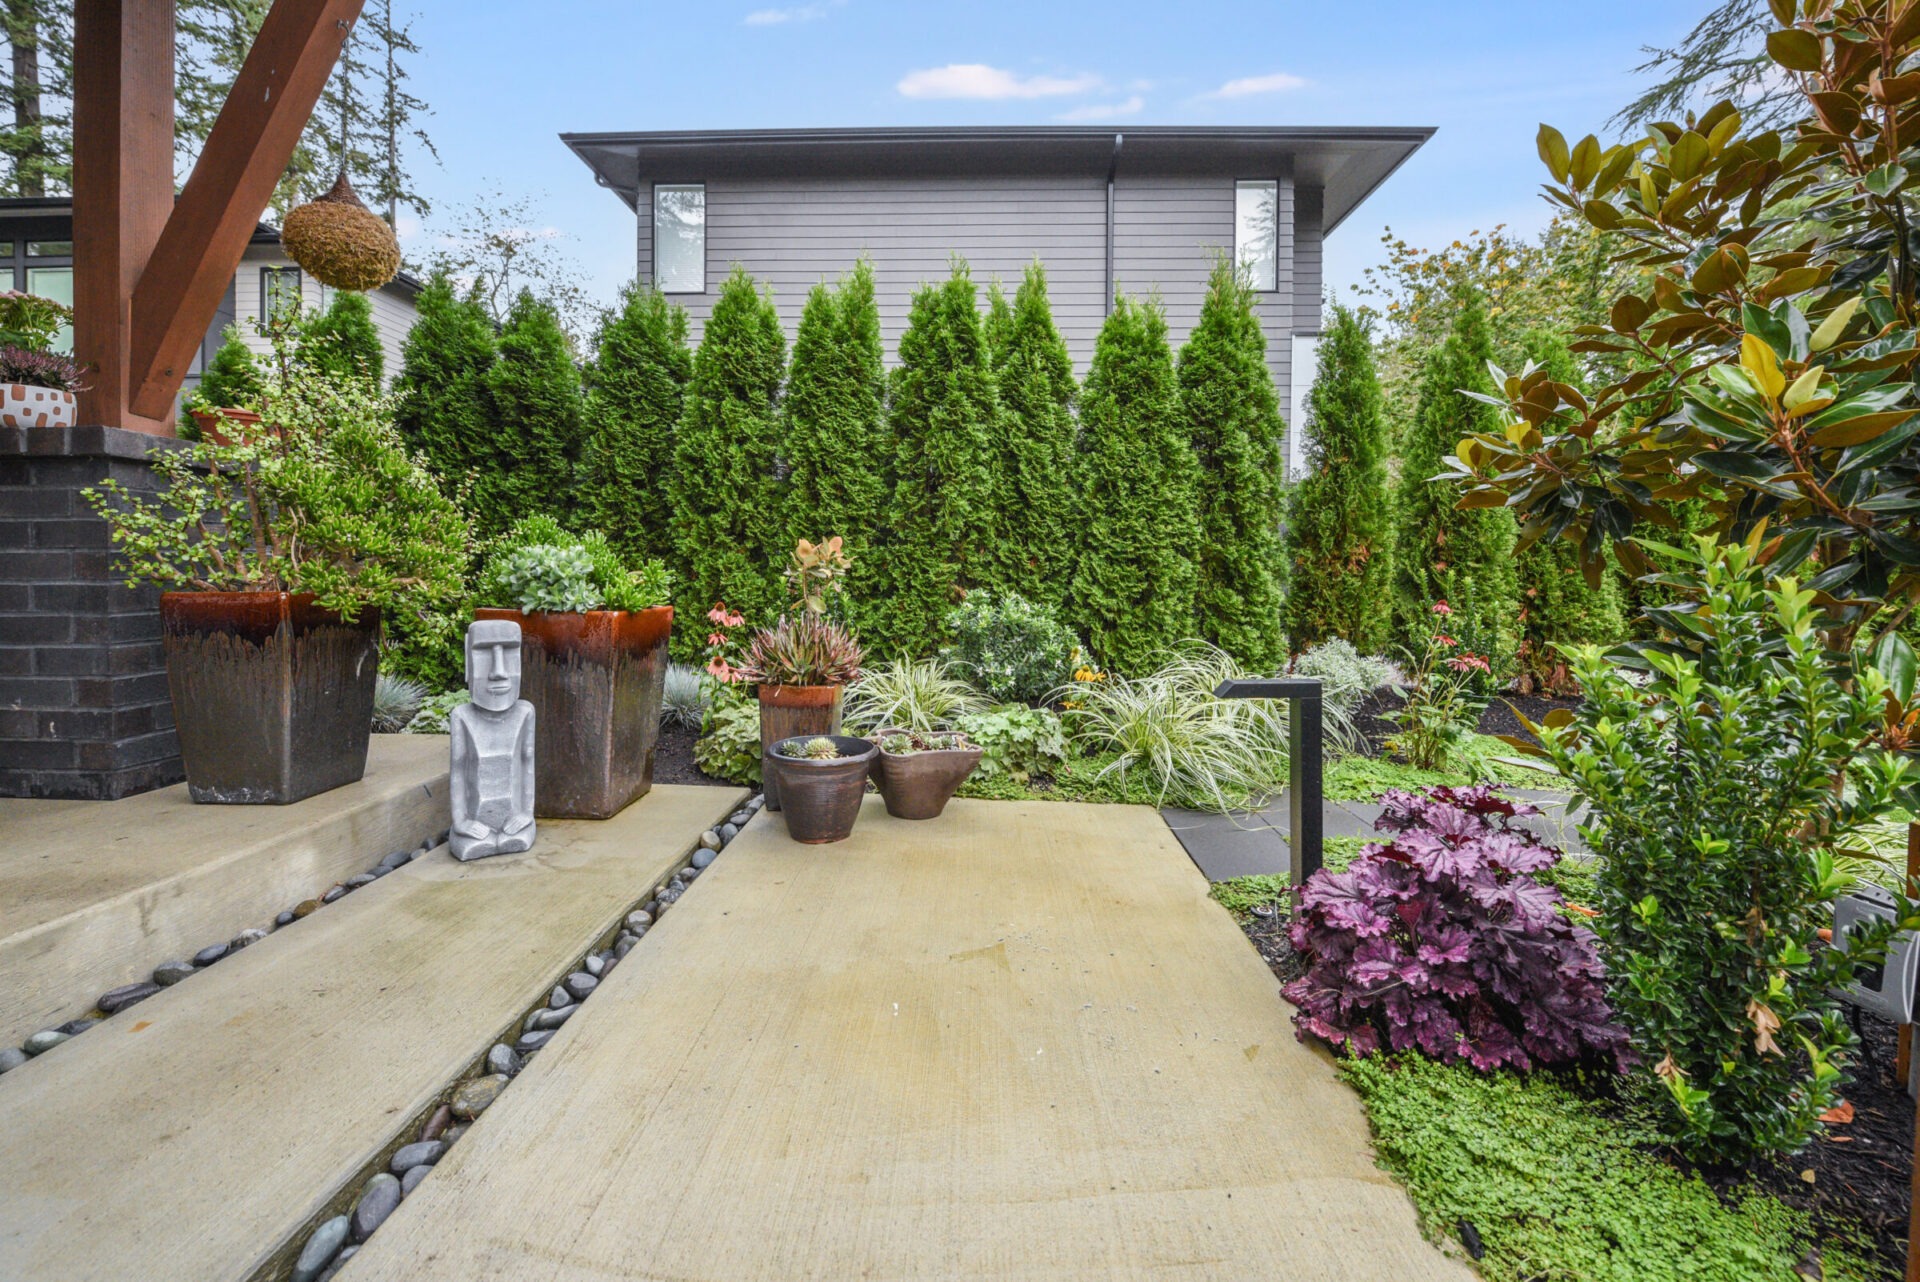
[911, 694]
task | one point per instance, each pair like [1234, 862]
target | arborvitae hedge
[1441, 552]
[1133, 584]
[232, 378]
[444, 410]
[1339, 545]
[836, 445]
[943, 410]
[342, 341]
[538, 418]
[1035, 508]
[1233, 421]
[727, 529]
[636, 388]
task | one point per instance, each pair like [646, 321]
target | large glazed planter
[787, 712]
[272, 696]
[918, 785]
[24, 405]
[596, 681]
[823, 797]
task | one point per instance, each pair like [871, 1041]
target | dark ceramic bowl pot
[918, 785]
[822, 798]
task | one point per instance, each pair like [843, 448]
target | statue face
[493, 664]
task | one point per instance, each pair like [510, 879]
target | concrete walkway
[1017, 1042]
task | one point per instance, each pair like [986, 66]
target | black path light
[1304, 820]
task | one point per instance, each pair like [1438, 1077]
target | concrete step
[95, 894]
[200, 1136]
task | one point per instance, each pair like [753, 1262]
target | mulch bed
[673, 760]
[1498, 719]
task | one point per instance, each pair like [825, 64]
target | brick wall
[84, 710]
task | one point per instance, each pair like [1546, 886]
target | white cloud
[778, 17]
[977, 80]
[1104, 110]
[1251, 86]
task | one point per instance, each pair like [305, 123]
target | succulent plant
[803, 650]
[822, 749]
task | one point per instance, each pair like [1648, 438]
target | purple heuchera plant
[1440, 940]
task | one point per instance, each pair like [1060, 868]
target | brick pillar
[84, 710]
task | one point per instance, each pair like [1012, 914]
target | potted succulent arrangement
[594, 662]
[279, 559]
[37, 384]
[802, 665]
[823, 778]
[918, 772]
[220, 406]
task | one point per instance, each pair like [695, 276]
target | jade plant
[539, 566]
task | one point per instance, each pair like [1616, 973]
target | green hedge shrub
[1034, 503]
[443, 406]
[342, 341]
[538, 419]
[636, 389]
[1010, 647]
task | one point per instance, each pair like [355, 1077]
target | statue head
[493, 663]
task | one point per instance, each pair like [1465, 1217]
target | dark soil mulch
[1498, 719]
[673, 759]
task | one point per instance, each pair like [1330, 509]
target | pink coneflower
[1468, 663]
[1442, 608]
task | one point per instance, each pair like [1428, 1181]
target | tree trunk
[30, 160]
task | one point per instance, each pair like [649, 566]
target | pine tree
[835, 439]
[1232, 415]
[997, 324]
[1133, 586]
[636, 389]
[1035, 505]
[443, 408]
[341, 342]
[538, 418]
[723, 488]
[944, 410]
[1464, 557]
[1339, 547]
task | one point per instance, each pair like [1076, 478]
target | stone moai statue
[492, 767]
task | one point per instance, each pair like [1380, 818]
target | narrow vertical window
[279, 293]
[55, 283]
[1256, 232]
[680, 238]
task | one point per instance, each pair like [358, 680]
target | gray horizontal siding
[1307, 242]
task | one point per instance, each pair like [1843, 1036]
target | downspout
[1113, 166]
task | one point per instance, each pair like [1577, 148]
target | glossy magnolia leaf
[1584, 164]
[1801, 395]
[1782, 11]
[1735, 465]
[1798, 280]
[1834, 325]
[1858, 431]
[1552, 145]
[1757, 358]
[1839, 112]
[1794, 49]
[1688, 156]
[1895, 547]
[1630, 311]
[1886, 180]
[1612, 170]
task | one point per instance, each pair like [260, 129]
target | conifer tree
[726, 502]
[636, 389]
[1339, 547]
[1444, 553]
[835, 438]
[538, 419]
[1034, 506]
[943, 408]
[443, 408]
[1232, 415]
[1133, 586]
[341, 342]
[998, 321]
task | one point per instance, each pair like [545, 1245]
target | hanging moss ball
[340, 242]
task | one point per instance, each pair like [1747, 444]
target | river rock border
[399, 1172]
[167, 974]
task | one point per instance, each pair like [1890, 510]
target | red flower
[1468, 663]
[1444, 639]
[1442, 608]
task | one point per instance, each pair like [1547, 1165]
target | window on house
[55, 283]
[49, 249]
[680, 238]
[1256, 232]
[279, 292]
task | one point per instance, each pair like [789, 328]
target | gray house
[1137, 211]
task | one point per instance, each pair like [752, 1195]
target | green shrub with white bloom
[1011, 648]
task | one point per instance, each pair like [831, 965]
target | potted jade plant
[280, 558]
[918, 772]
[221, 406]
[823, 778]
[38, 385]
[594, 662]
[803, 664]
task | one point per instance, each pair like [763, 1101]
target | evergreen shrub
[1010, 647]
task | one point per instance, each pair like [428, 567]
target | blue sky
[506, 76]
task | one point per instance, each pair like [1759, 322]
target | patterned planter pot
[272, 696]
[24, 405]
[823, 797]
[788, 712]
[596, 681]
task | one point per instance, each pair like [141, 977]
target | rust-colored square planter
[788, 712]
[596, 681]
[272, 696]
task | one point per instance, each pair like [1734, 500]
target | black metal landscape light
[1304, 821]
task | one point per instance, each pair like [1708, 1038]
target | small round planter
[228, 427]
[788, 712]
[918, 785]
[823, 797]
[24, 405]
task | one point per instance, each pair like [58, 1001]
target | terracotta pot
[788, 712]
[823, 797]
[596, 681]
[227, 427]
[918, 785]
[24, 405]
[272, 696]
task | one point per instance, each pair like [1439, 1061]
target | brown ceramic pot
[272, 696]
[823, 797]
[596, 680]
[227, 427]
[918, 785]
[788, 712]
